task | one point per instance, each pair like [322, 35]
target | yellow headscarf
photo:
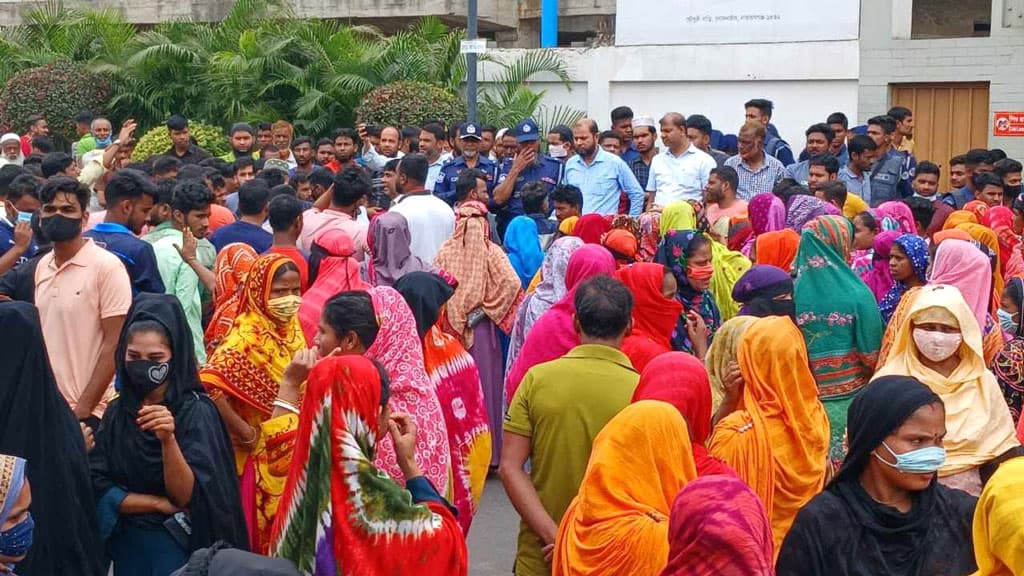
[723, 350]
[568, 225]
[998, 534]
[729, 266]
[854, 205]
[677, 216]
[618, 524]
[978, 423]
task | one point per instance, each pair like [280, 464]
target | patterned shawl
[250, 362]
[719, 526]
[339, 514]
[672, 253]
[838, 316]
[486, 278]
[767, 213]
[389, 240]
[803, 208]
[337, 271]
[618, 524]
[916, 250]
[900, 213]
[650, 235]
[723, 350]
[233, 263]
[12, 478]
[456, 380]
[399, 349]
[1008, 365]
[1000, 220]
[550, 290]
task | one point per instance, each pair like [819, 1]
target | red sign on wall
[1008, 124]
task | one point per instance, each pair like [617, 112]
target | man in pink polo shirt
[83, 294]
[346, 192]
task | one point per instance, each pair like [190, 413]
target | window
[950, 18]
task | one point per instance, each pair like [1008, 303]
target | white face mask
[937, 346]
[557, 151]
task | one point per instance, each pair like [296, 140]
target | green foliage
[410, 103]
[261, 62]
[507, 98]
[158, 141]
[57, 91]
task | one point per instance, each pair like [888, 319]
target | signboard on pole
[1008, 124]
[644, 22]
[477, 46]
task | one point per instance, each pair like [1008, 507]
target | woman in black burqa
[139, 496]
[884, 515]
[37, 424]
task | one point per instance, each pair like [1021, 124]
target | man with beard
[720, 201]
[600, 175]
[130, 197]
[525, 166]
[375, 156]
[346, 142]
[819, 139]
[757, 170]
[242, 137]
[431, 143]
[470, 138]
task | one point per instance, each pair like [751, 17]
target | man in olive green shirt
[556, 413]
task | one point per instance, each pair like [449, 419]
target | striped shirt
[760, 181]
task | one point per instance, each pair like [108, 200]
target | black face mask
[783, 308]
[144, 376]
[1013, 192]
[59, 228]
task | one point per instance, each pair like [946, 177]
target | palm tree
[507, 98]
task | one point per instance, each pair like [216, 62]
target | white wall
[806, 80]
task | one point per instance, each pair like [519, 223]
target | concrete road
[492, 537]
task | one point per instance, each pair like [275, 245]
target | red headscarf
[654, 316]
[681, 380]
[591, 228]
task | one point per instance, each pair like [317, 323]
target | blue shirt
[137, 255]
[859, 186]
[259, 239]
[546, 169]
[601, 181]
[630, 155]
[7, 241]
[444, 188]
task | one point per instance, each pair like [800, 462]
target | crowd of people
[710, 357]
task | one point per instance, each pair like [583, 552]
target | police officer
[469, 135]
[892, 173]
[528, 165]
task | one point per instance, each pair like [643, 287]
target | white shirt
[682, 177]
[435, 170]
[431, 223]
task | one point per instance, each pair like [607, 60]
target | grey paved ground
[492, 538]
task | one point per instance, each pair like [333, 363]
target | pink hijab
[878, 277]
[553, 334]
[959, 263]
[399, 349]
[767, 214]
[338, 272]
[899, 212]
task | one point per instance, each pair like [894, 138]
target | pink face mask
[700, 273]
[937, 346]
